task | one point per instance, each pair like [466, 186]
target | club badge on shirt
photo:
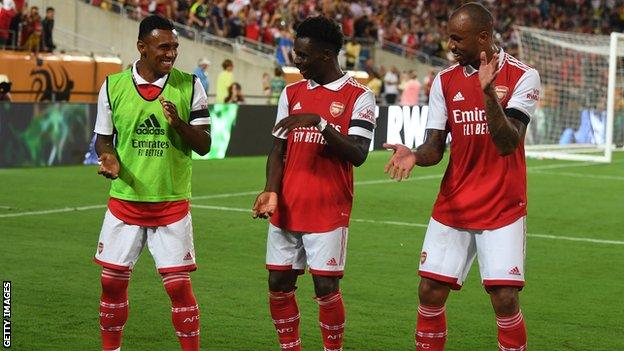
[501, 91]
[336, 108]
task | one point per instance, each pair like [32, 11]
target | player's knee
[432, 293]
[325, 285]
[505, 300]
[281, 281]
[114, 282]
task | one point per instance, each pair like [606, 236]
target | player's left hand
[488, 71]
[171, 112]
[295, 121]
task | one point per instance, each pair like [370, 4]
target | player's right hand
[401, 163]
[265, 205]
[109, 166]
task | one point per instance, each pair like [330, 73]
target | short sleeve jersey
[317, 184]
[481, 189]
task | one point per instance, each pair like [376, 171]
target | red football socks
[113, 307]
[332, 320]
[511, 333]
[184, 309]
[285, 314]
[430, 328]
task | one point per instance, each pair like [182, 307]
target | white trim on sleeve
[437, 115]
[526, 93]
[282, 111]
[104, 119]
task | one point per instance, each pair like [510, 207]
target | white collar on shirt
[160, 82]
[469, 70]
[334, 86]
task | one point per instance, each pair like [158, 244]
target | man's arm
[197, 136]
[266, 202]
[429, 153]
[506, 133]
[352, 148]
[109, 165]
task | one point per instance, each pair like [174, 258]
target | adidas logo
[458, 97]
[332, 262]
[515, 271]
[188, 256]
[150, 126]
[297, 106]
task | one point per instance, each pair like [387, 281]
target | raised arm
[507, 126]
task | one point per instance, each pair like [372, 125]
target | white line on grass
[420, 225]
[57, 210]
[579, 175]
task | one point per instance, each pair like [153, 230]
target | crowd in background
[418, 25]
[25, 28]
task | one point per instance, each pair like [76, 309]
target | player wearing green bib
[150, 119]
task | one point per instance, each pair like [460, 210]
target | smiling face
[466, 41]
[159, 51]
[310, 59]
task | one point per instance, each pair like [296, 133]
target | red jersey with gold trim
[481, 189]
[317, 184]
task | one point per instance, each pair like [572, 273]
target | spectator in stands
[217, 18]
[284, 47]
[375, 85]
[31, 31]
[47, 24]
[391, 85]
[225, 80]
[252, 29]
[235, 94]
[198, 15]
[7, 12]
[411, 90]
[352, 52]
[278, 83]
[201, 72]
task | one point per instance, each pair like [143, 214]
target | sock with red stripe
[511, 332]
[332, 320]
[184, 309]
[430, 328]
[113, 307]
[285, 315]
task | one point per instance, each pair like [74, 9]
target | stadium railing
[408, 52]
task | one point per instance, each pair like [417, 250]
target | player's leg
[118, 250]
[174, 254]
[445, 261]
[285, 260]
[501, 262]
[326, 255]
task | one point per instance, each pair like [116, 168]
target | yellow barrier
[56, 77]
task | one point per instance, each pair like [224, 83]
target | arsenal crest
[100, 247]
[336, 108]
[423, 257]
[501, 92]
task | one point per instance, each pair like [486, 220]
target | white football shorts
[171, 246]
[324, 253]
[448, 253]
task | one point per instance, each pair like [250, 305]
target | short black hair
[322, 30]
[481, 17]
[50, 8]
[149, 23]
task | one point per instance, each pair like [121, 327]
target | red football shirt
[481, 189]
[317, 184]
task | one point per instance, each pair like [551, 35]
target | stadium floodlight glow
[581, 99]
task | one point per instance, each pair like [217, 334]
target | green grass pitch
[574, 298]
